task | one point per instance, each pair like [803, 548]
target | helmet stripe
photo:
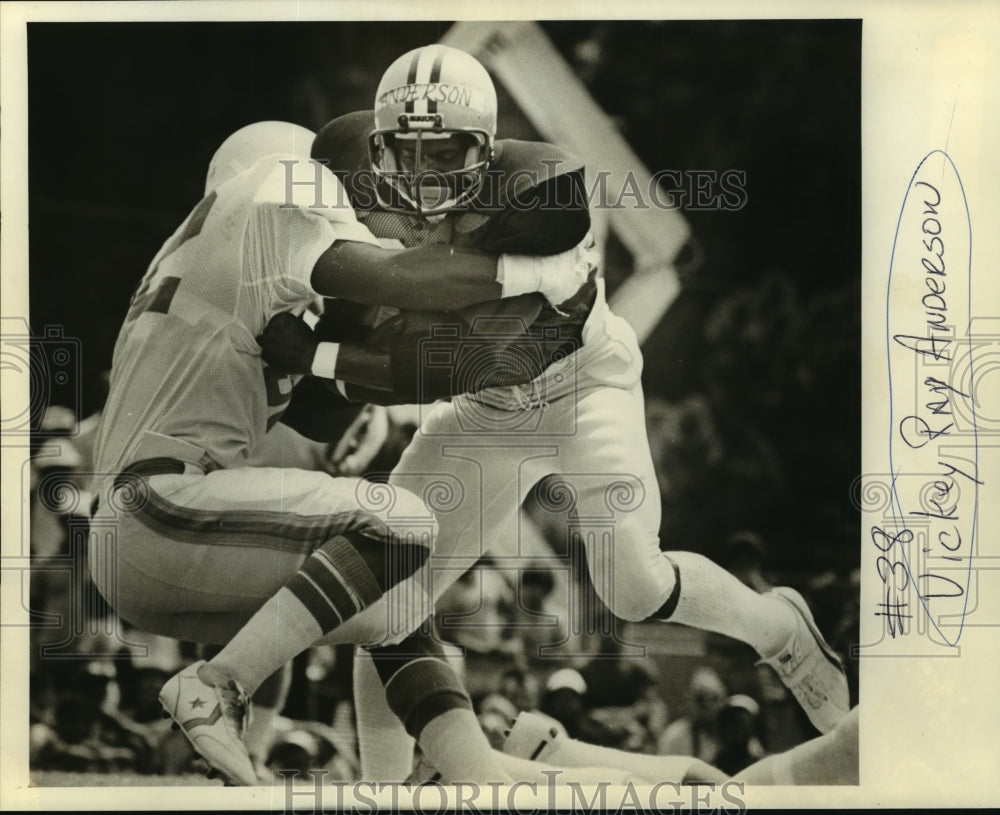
[411, 77]
[425, 59]
[432, 106]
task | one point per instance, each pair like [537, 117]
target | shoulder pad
[521, 165]
[513, 155]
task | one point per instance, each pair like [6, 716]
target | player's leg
[384, 746]
[214, 547]
[539, 773]
[543, 774]
[368, 539]
[268, 702]
[475, 482]
[225, 539]
[637, 581]
[386, 539]
[825, 760]
[427, 697]
[533, 737]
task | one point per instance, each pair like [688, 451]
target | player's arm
[444, 277]
[390, 368]
[293, 243]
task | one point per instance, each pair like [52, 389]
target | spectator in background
[302, 747]
[472, 613]
[744, 554]
[697, 733]
[739, 746]
[85, 731]
[538, 618]
[565, 701]
[520, 687]
[622, 693]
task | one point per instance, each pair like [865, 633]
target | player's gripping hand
[558, 277]
[288, 344]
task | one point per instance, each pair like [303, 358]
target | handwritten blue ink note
[927, 544]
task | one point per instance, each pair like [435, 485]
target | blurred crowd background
[752, 377]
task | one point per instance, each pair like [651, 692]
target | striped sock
[334, 584]
[342, 577]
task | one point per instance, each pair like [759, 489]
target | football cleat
[213, 719]
[810, 668]
[533, 737]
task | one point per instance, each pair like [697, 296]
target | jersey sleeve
[299, 210]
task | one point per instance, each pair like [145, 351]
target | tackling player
[263, 560]
[425, 168]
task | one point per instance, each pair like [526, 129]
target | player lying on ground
[534, 747]
[441, 176]
[265, 561]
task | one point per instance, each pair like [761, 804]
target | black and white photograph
[628, 424]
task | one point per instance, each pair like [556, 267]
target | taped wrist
[557, 277]
[324, 362]
[519, 274]
[419, 684]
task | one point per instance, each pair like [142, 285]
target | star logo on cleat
[197, 703]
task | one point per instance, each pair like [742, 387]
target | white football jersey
[187, 372]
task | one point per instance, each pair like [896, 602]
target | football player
[262, 560]
[828, 759]
[424, 168]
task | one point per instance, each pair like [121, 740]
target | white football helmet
[248, 144]
[429, 95]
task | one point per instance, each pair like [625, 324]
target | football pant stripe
[261, 528]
